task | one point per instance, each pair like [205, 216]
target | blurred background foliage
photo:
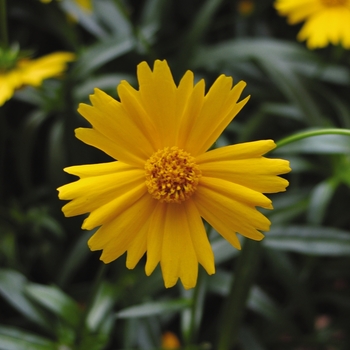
[56, 294]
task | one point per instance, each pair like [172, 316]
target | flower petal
[116, 236]
[178, 259]
[199, 237]
[155, 236]
[298, 10]
[112, 209]
[219, 108]
[137, 247]
[239, 193]
[258, 174]
[158, 94]
[229, 216]
[108, 117]
[244, 150]
[91, 193]
[132, 104]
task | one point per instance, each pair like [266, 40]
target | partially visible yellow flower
[326, 21]
[32, 72]
[170, 341]
[84, 4]
[245, 7]
[153, 198]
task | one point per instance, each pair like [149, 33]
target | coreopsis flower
[86, 5]
[165, 179]
[170, 341]
[26, 71]
[326, 21]
[245, 7]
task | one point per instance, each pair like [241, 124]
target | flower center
[172, 175]
[331, 3]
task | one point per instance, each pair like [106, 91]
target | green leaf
[12, 288]
[16, 339]
[311, 240]
[276, 58]
[103, 82]
[321, 196]
[153, 308]
[101, 53]
[223, 250]
[56, 301]
[101, 307]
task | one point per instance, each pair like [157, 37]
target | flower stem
[192, 318]
[234, 307]
[137, 33]
[3, 25]
[311, 133]
[99, 278]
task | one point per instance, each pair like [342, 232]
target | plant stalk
[235, 305]
[3, 25]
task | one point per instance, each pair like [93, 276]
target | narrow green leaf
[16, 339]
[56, 301]
[321, 196]
[153, 308]
[312, 240]
[102, 306]
[101, 53]
[12, 287]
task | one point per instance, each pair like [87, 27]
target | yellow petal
[229, 216]
[258, 174]
[116, 236]
[158, 92]
[191, 111]
[108, 117]
[112, 209]
[178, 258]
[298, 10]
[91, 193]
[244, 150]
[34, 71]
[137, 247]
[155, 236]
[199, 237]
[239, 193]
[89, 170]
[132, 104]
[219, 108]
[9, 82]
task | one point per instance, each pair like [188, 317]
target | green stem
[311, 133]
[92, 296]
[247, 265]
[235, 304]
[138, 35]
[3, 25]
[195, 314]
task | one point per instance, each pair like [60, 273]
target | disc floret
[172, 175]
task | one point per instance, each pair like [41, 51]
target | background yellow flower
[32, 72]
[326, 21]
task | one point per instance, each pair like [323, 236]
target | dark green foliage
[56, 294]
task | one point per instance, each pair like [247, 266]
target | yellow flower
[154, 197]
[245, 7]
[327, 21]
[84, 4]
[32, 72]
[170, 341]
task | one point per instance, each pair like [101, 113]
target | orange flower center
[331, 3]
[172, 175]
